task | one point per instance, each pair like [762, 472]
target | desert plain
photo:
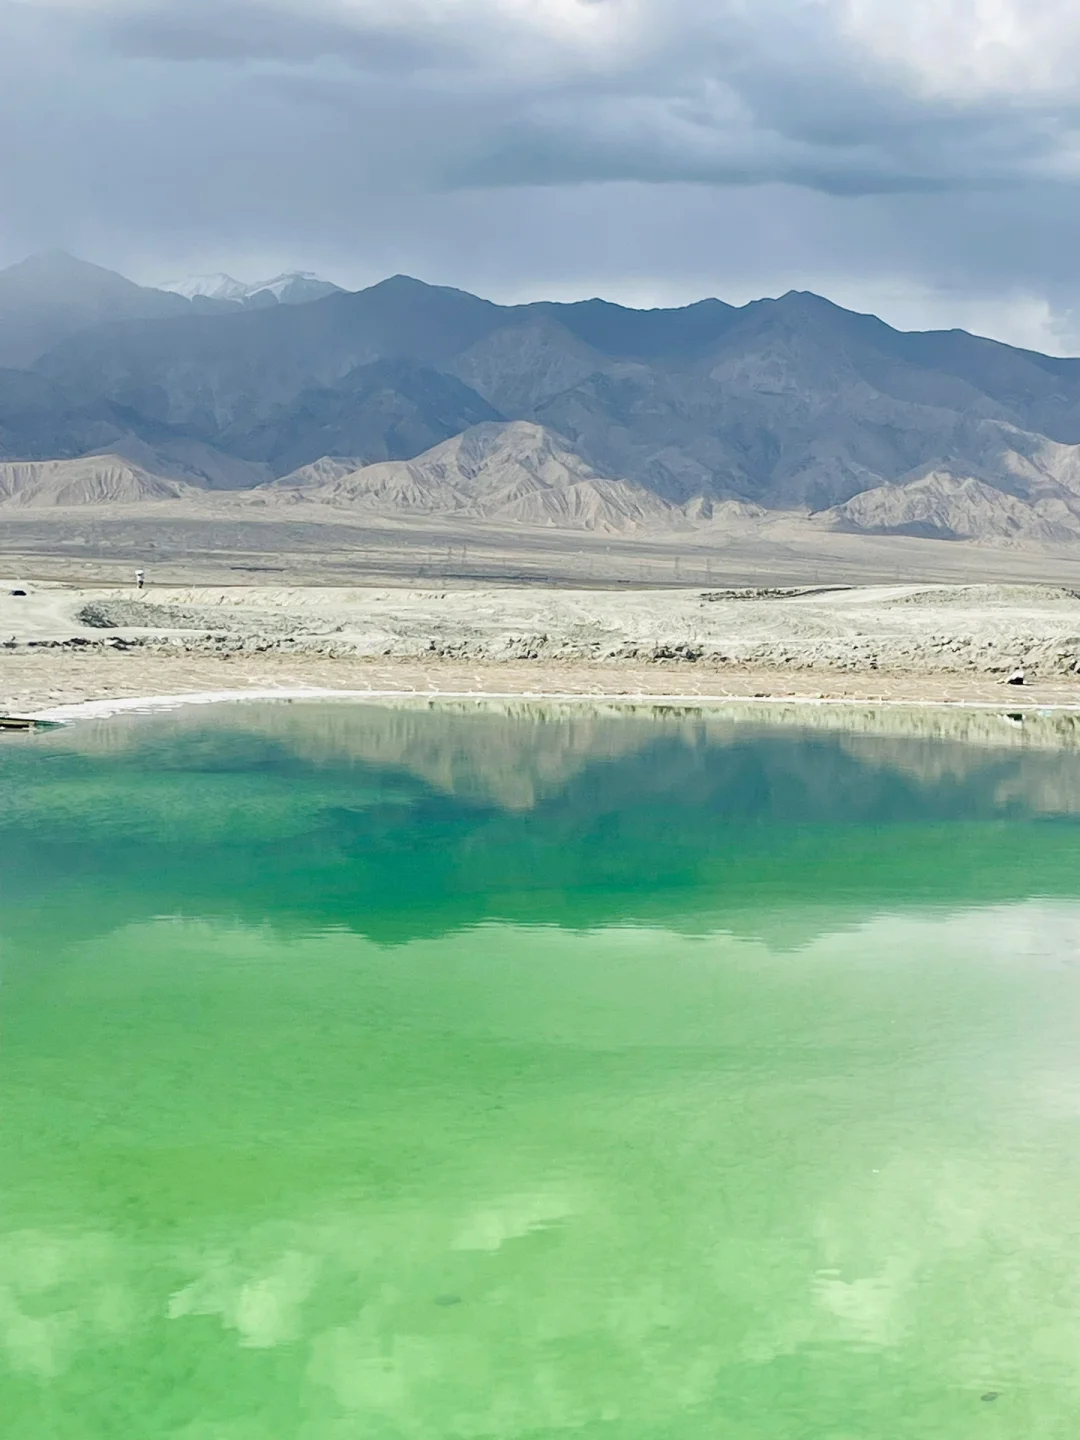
[799, 626]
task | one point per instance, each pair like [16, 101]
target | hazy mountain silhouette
[47, 297]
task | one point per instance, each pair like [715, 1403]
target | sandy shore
[62, 645]
[39, 683]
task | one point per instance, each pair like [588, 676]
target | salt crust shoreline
[145, 704]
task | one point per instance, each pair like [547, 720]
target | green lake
[432, 1072]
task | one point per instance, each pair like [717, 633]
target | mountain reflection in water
[398, 821]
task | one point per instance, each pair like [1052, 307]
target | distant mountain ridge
[791, 404]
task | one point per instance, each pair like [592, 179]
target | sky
[915, 158]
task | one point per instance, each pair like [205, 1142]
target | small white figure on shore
[140, 579]
[1017, 676]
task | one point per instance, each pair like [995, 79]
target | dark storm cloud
[549, 144]
[579, 139]
[695, 90]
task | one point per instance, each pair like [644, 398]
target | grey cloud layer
[533, 141]
[693, 90]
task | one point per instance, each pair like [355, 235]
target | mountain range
[619, 417]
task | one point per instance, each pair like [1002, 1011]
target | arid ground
[63, 643]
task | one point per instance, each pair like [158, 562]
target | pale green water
[377, 1074]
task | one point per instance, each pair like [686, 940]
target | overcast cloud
[918, 159]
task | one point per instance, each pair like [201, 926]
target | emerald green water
[403, 1074]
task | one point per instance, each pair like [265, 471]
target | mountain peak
[804, 302]
[59, 264]
[56, 277]
[54, 260]
[395, 285]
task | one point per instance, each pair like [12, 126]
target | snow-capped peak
[289, 280]
[292, 287]
[212, 287]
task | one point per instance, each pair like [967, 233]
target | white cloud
[962, 49]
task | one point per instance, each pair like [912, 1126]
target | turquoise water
[372, 1072]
